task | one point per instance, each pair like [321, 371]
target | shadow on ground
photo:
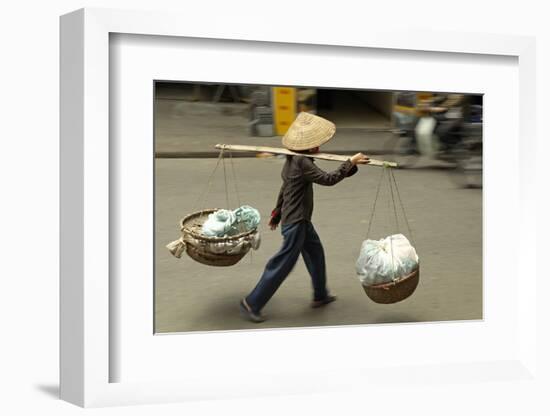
[51, 390]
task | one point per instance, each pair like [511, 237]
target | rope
[208, 186]
[389, 220]
[389, 172]
[202, 197]
[390, 175]
[226, 190]
[403, 209]
[392, 183]
[235, 183]
[235, 178]
[375, 200]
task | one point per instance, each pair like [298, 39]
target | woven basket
[197, 243]
[395, 291]
[213, 259]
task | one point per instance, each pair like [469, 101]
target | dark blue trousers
[298, 238]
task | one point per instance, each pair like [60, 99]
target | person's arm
[277, 211]
[353, 171]
[315, 174]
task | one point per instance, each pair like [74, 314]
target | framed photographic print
[196, 262]
[201, 292]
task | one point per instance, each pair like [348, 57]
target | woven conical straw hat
[307, 132]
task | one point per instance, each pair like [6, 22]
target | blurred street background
[440, 185]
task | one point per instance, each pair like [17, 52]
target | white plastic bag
[384, 260]
[219, 223]
[225, 222]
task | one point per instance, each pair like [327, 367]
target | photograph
[291, 208]
[282, 206]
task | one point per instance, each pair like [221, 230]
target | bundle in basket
[388, 269]
[212, 251]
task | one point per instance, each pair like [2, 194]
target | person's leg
[314, 258]
[278, 267]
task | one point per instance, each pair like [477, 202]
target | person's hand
[272, 225]
[275, 219]
[359, 159]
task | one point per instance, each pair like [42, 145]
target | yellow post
[284, 108]
[424, 95]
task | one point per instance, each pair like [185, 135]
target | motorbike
[443, 136]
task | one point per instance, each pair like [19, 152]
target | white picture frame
[86, 356]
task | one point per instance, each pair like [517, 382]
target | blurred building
[271, 110]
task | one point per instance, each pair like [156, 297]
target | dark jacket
[295, 200]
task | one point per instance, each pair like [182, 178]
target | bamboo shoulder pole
[282, 151]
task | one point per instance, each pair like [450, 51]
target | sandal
[323, 302]
[249, 314]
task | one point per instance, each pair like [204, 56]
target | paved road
[446, 222]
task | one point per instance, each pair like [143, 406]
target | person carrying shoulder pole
[294, 210]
